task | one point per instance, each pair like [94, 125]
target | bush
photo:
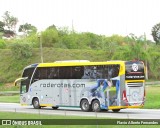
[21, 50]
[49, 37]
[2, 44]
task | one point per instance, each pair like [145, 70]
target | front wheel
[36, 104]
[116, 110]
[85, 106]
[96, 106]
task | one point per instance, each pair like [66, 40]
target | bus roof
[32, 66]
[73, 63]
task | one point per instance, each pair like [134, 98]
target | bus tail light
[124, 97]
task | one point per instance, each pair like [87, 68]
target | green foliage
[156, 33]
[52, 27]
[152, 97]
[32, 39]
[10, 99]
[27, 29]
[154, 61]
[2, 44]
[49, 37]
[115, 39]
[2, 26]
[9, 21]
[91, 40]
[85, 40]
[135, 48]
[21, 50]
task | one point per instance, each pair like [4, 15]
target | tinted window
[101, 72]
[77, 72]
[40, 73]
[28, 72]
[25, 83]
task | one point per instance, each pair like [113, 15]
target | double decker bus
[91, 86]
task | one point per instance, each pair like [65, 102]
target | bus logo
[135, 67]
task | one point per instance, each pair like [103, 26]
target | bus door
[113, 93]
[24, 86]
[113, 83]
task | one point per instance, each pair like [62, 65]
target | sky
[105, 17]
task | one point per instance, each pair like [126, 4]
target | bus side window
[52, 73]
[113, 71]
[87, 72]
[36, 75]
[40, 73]
[25, 84]
[65, 72]
[77, 72]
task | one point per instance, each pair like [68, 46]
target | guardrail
[153, 83]
[9, 93]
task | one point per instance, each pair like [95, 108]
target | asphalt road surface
[123, 114]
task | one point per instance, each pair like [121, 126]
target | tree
[10, 24]
[88, 40]
[52, 27]
[2, 26]
[156, 33]
[154, 61]
[21, 50]
[27, 29]
[135, 48]
[49, 37]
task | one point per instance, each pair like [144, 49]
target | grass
[11, 68]
[8, 87]
[10, 99]
[13, 115]
[152, 97]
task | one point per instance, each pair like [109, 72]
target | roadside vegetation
[152, 97]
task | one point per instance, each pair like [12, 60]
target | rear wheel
[36, 104]
[116, 110]
[96, 106]
[85, 106]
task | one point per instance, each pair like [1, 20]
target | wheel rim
[85, 105]
[95, 106]
[36, 103]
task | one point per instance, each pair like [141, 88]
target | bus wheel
[96, 106]
[85, 105]
[116, 110]
[55, 107]
[36, 104]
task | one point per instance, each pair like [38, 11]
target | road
[123, 114]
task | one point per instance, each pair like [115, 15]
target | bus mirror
[19, 80]
[15, 83]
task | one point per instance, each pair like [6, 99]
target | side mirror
[19, 79]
